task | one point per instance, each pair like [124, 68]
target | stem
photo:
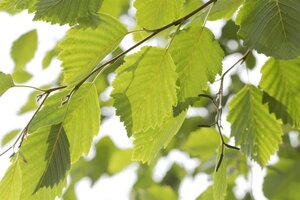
[31, 87]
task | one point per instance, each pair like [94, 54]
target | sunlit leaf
[147, 144]
[280, 79]
[21, 76]
[15, 6]
[9, 136]
[84, 48]
[52, 53]
[220, 178]
[119, 160]
[24, 48]
[6, 82]
[145, 89]
[11, 183]
[254, 128]
[270, 27]
[114, 7]
[157, 192]
[156, 13]
[68, 11]
[224, 9]
[195, 66]
[31, 103]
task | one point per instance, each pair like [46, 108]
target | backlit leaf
[158, 192]
[6, 82]
[84, 48]
[254, 128]
[280, 79]
[52, 53]
[9, 136]
[195, 66]
[15, 6]
[145, 89]
[114, 7]
[224, 9]
[220, 178]
[271, 26]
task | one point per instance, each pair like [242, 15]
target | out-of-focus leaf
[224, 9]
[52, 53]
[119, 160]
[21, 76]
[157, 192]
[31, 103]
[6, 82]
[9, 136]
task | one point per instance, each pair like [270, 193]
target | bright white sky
[14, 26]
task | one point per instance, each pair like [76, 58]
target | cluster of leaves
[151, 93]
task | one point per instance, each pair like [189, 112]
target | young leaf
[6, 82]
[224, 9]
[82, 120]
[254, 128]
[84, 48]
[148, 143]
[280, 79]
[24, 48]
[220, 179]
[157, 13]
[145, 89]
[195, 66]
[47, 157]
[11, 183]
[270, 27]
[68, 11]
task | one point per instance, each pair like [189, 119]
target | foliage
[152, 91]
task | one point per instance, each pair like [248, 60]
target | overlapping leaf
[6, 82]
[14, 6]
[271, 27]
[84, 48]
[68, 11]
[280, 79]
[156, 13]
[11, 183]
[220, 178]
[47, 157]
[195, 66]
[254, 128]
[145, 89]
[148, 143]
[114, 7]
[224, 9]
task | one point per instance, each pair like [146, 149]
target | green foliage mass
[171, 89]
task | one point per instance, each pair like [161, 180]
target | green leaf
[157, 13]
[145, 89]
[147, 144]
[224, 9]
[68, 11]
[174, 176]
[202, 143]
[47, 157]
[282, 180]
[52, 53]
[15, 6]
[119, 160]
[24, 48]
[158, 192]
[21, 76]
[31, 103]
[82, 120]
[6, 82]
[254, 128]
[114, 7]
[9, 136]
[220, 178]
[11, 183]
[195, 66]
[280, 79]
[269, 26]
[83, 49]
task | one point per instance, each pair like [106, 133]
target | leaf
[224, 9]
[21, 76]
[82, 120]
[6, 82]
[195, 66]
[11, 183]
[47, 157]
[9, 136]
[52, 53]
[68, 11]
[157, 192]
[119, 160]
[202, 143]
[282, 180]
[220, 178]
[254, 128]
[157, 13]
[114, 7]
[174, 176]
[15, 6]
[280, 79]
[24, 48]
[269, 26]
[183, 106]
[145, 89]
[31, 103]
[83, 49]
[147, 144]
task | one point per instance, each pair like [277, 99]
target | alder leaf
[6, 82]
[47, 157]
[254, 128]
[68, 11]
[145, 89]
[280, 79]
[24, 48]
[84, 48]
[195, 66]
[82, 120]
[157, 13]
[147, 144]
[11, 183]
[270, 27]
[224, 9]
